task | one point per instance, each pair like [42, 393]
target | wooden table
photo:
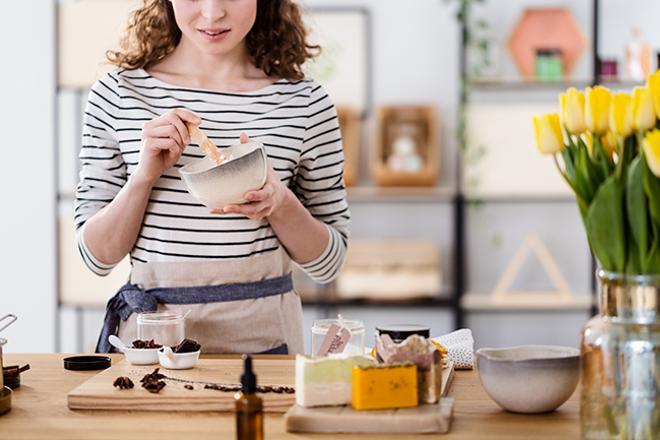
[39, 411]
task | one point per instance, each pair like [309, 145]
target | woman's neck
[188, 64]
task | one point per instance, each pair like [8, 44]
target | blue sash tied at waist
[132, 298]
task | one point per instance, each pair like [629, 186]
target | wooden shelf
[422, 302]
[520, 198]
[520, 84]
[376, 194]
[330, 298]
[478, 302]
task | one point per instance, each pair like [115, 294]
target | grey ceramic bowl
[217, 186]
[529, 378]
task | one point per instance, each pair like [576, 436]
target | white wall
[27, 221]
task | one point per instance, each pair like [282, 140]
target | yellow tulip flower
[572, 110]
[609, 142]
[597, 109]
[654, 86]
[621, 114]
[643, 116]
[652, 151]
[549, 139]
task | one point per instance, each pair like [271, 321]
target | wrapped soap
[326, 381]
[385, 386]
[424, 354]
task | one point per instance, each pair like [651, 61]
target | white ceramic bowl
[529, 378]
[177, 361]
[141, 356]
[217, 186]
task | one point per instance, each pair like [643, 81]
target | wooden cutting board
[344, 419]
[97, 393]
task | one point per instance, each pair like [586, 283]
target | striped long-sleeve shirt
[295, 120]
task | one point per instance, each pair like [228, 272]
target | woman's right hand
[163, 140]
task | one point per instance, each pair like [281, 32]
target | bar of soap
[385, 386]
[326, 381]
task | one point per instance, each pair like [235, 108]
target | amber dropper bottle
[249, 406]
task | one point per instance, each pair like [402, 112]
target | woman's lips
[213, 34]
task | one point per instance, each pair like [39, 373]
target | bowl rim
[189, 353]
[258, 150]
[556, 352]
[141, 350]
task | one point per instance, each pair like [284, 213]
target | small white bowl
[529, 378]
[217, 186]
[141, 356]
[177, 361]
[136, 356]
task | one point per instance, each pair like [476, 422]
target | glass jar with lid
[165, 328]
[355, 344]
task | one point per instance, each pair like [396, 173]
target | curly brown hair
[276, 44]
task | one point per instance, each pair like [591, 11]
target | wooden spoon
[206, 144]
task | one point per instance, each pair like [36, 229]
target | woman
[234, 67]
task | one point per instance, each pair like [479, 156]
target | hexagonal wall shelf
[546, 28]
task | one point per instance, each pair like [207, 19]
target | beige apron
[245, 326]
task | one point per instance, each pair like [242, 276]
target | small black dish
[86, 363]
[12, 382]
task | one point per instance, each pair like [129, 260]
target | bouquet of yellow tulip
[607, 147]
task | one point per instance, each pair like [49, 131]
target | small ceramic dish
[136, 356]
[177, 361]
[529, 378]
[217, 186]
[5, 400]
[141, 356]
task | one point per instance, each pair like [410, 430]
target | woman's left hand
[260, 203]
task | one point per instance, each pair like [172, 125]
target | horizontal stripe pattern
[89, 259]
[295, 120]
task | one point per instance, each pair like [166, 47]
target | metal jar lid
[399, 332]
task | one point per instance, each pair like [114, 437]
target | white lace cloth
[460, 348]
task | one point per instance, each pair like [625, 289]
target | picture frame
[546, 28]
[406, 146]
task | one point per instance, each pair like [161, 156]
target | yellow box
[385, 386]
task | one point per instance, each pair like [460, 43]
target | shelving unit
[328, 301]
[452, 196]
[471, 302]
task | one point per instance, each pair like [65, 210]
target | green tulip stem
[565, 176]
[569, 137]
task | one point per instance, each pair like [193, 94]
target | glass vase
[620, 397]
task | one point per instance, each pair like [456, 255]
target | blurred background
[457, 220]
